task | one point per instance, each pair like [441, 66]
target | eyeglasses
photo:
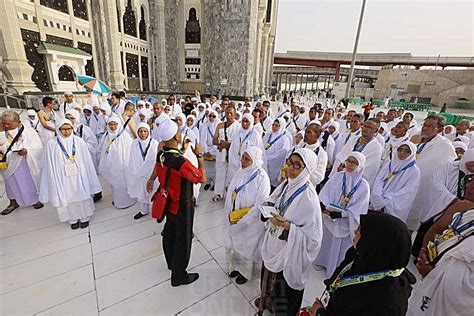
[295, 164]
[67, 129]
[352, 161]
[404, 150]
[213, 116]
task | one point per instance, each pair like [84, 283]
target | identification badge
[234, 196]
[267, 146]
[71, 169]
[325, 299]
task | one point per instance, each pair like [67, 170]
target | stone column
[14, 64]
[113, 38]
[258, 55]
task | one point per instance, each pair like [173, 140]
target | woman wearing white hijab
[345, 196]
[189, 139]
[449, 132]
[83, 131]
[241, 140]
[243, 236]
[292, 235]
[114, 149]
[396, 183]
[190, 125]
[33, 119]
[277, 146]
[206, 132]
[68, 178]
[141, 163]
[333, 129]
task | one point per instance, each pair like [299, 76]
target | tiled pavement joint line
[119, 227]
[93, 271]
[128, 243]
[228, 284]
[51, 277]
[150, 287]
[50, 307]
[36, 258]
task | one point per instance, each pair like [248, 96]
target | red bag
[161, 200]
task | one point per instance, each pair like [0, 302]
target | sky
[420, 27]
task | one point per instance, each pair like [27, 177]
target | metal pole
[354, 52]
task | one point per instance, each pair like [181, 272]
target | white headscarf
[396, 164]
[117, 120]
[336, 125]
[104, 106]
[463, 139]
[35, 120]
[190, 116]
[310, 160]
[183, 119]
[353, 177]
[243, 131]
[282, 128]
[459, 144]
[468, 157]
[144, 142]
[257, 157]
[76, 115]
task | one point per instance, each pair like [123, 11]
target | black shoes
[207, 186]
[190, 278]
[240, 279]
[75, 225]
[97, 196]
[234, 274]
[139, 215]
[84, 225]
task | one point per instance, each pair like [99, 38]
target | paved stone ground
[116, 266]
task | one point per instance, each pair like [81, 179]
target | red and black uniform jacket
[182, 176]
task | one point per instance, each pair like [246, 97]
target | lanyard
[284, 205]
[391, 174]
[239, 188]
[146, 149]
[88, 120]
[349, 136]
[113, 139]
[96, 118]
[419, 149]
[72, 157]
[244, 140]
[359, 148]
[270, 142]
[337, 136]
[209, 131]
[347, 197]
[361, 278]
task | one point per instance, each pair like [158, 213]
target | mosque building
[212, 46]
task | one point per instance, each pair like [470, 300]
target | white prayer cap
[218, 107]
[463, 139]
[168, 130]
[459, 144]
[256, 154]
[194, 99]
[335, 124]
[88, 107]
[164, 100]
[31, 112]
[317, 122]
[140, 102]
[67, 93]
[201, 105]
[75, 114]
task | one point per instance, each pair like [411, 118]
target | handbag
[3, 158]
[161, 200]
[236, 215]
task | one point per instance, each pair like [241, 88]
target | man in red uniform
[174, 199]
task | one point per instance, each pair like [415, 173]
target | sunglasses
[212, 116]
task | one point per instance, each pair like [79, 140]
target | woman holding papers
[249, 187]
[343, 199]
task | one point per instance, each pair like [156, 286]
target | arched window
[142, 24]
[66, 74]
[129, 21]
[193, 29]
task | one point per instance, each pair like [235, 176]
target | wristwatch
[200, 155]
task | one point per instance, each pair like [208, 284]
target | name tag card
[71, 169]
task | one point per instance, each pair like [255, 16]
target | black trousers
[177, 239]
[285, 300]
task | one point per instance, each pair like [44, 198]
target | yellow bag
[3, 164]
[236, 215]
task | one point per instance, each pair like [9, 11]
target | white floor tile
[121, 257]
[31, 272]
[125, 235]
[108, 212]
[115, 223]
[44, 250]
[37, 238]
[125, 283]
[227, 301]
[11, 226]
[85, 305]
[48, 293]
[208, 221]
[212, 238]
[164, 299]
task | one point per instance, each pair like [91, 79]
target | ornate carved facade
[168, 45]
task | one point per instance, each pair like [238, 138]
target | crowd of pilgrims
[304, 187]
